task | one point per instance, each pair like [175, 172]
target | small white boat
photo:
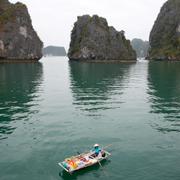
[82, 161]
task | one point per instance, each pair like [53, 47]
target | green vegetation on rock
[9, 12]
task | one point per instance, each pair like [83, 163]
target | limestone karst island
[93, 39]
[18, 39]
[89, 90]
[165, 35]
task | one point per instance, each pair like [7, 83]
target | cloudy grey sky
[53, 19]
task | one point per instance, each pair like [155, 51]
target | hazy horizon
[53, 19]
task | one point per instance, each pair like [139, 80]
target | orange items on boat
[72, 164]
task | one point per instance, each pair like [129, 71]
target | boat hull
[93, 161]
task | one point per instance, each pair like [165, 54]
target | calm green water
[54, 109]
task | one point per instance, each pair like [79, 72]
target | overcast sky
[53, 19]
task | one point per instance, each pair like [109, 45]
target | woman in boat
[97, 151]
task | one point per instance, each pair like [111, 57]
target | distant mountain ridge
[141, 47]
[54, 51]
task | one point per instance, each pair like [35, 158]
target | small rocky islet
[54, 51]
[18, 39]
[93, 39]
[165, 35]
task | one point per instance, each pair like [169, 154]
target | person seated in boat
[97, 151]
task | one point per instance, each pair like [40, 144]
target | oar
[100, 166]
[97, 161]
[107, 146]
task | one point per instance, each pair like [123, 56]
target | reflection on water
[95, 87]
[80, 104]
[164, 91]
[18, 85]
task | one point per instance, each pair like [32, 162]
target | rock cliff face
[18, 40]
[165, 35]
[93, 39]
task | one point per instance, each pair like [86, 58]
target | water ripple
[19, 94]
[164, 95]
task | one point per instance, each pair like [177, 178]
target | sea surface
[55, 108]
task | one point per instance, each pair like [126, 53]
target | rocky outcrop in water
[18, 40]
[165, 35]
[93, 39]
